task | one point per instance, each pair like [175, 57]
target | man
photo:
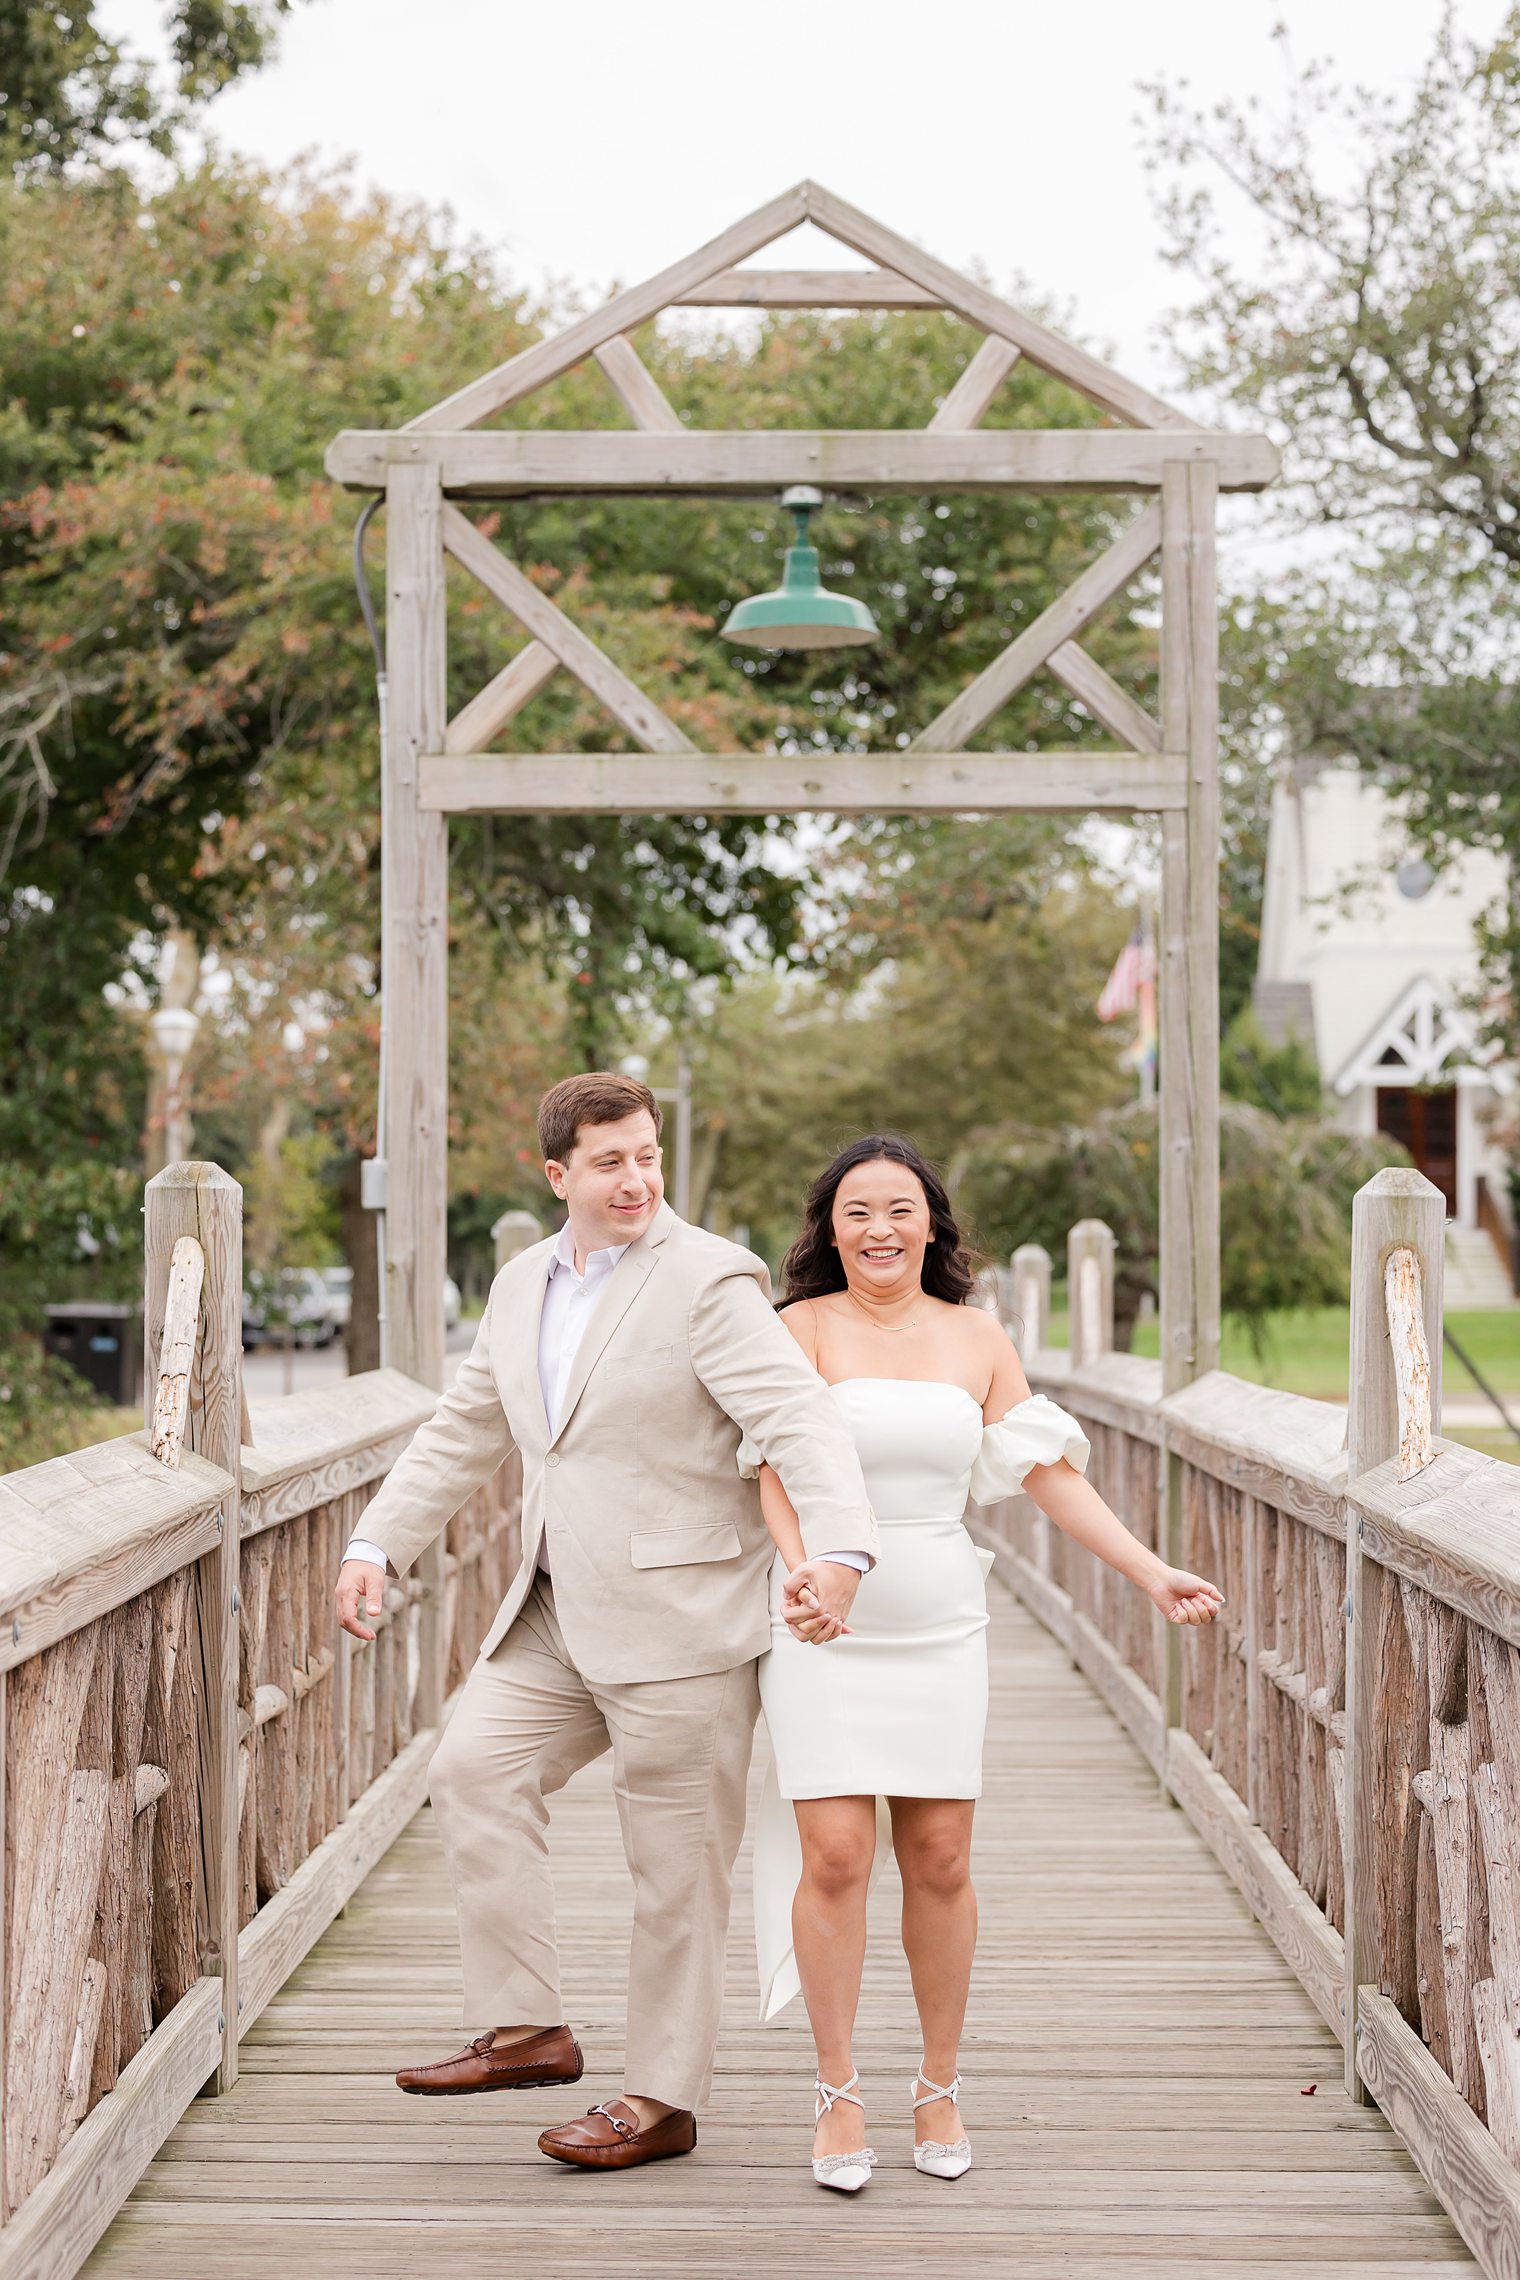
[622, 1358]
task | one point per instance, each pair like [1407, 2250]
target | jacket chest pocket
[684, 1546]
[646, 1365]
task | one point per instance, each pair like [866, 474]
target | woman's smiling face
[882, 1225]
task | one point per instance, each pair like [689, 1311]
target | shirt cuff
[861, 1562]
[360, 1548]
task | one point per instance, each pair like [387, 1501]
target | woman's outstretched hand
[1184, 1598]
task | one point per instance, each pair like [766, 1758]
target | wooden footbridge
[227, 1918]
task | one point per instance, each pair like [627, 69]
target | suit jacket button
[552, 1458]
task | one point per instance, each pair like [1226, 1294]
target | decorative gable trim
[1423, 1039]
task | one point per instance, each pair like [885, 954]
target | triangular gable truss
[1423, 1039]
[943, 287]
[662, 453]
[1010, 334]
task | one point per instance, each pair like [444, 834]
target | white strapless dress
[899, 1708]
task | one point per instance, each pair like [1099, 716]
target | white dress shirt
[570, 1298]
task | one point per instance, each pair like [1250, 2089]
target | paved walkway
[1136, 2074]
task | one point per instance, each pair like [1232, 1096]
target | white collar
[563, 1254]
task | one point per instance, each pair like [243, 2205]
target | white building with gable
[1370, 957]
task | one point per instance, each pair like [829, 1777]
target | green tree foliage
[1282, 1078]
[70, 92]
[975, 961]
[1377, 329]
[187, 731]
[1285, 1206]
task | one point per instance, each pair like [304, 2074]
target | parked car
[292, 1302]
[340, 1297]
[340, 1293]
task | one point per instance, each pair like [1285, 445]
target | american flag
[1133, 968]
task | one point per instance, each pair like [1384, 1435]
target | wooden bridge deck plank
[1136, 2065]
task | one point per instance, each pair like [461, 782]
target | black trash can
[104, 1343]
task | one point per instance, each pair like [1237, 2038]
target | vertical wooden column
[203, 1201]
[1395, 1209]
[1189, 981]
[414, 978]
[1188, 995]
[1030, 1267]
[1090, 1248]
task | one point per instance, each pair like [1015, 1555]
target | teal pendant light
[801, 613]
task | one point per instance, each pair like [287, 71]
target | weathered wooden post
[415, 983]
[1030, 1267]
[1090, 1247]
[205, 1203]
[1398, 1230]
[515, 1231]
[1188, 994]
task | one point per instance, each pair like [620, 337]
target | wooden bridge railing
[197, 1772]
[1347, 1737]
[199, 1768]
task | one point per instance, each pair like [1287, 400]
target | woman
[876, 1295]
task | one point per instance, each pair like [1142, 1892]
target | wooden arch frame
[436, 767]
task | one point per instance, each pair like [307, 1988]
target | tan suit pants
[527, 1720]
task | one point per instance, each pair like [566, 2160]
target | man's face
[612, 1181]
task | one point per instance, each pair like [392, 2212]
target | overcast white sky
[596, 140]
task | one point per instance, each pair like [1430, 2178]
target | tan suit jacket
[658, 1550]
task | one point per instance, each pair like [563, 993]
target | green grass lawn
[1305, 1351]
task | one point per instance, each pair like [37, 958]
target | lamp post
[677, 1096]
[174, 1028]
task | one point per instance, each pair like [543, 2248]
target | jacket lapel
[628, 1279]
[525, 1320]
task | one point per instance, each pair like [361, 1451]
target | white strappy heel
[843, 2172]
[933, 2159]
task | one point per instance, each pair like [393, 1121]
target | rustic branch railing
[1347, 1736]
[199, 1768]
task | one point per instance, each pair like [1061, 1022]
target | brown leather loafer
[552, 2055]
[606, 2139]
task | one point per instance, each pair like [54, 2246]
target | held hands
[360, 1592]
[816, 1598]
[1184, 1598]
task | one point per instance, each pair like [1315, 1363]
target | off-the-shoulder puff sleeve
[1034, 1432]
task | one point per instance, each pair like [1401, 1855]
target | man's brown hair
[599, 1096]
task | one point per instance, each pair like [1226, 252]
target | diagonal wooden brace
[1111, 707]
[1037, 645]
[579, 655]
[501, 700]
[547, 359]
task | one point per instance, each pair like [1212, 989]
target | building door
[1426, 1124]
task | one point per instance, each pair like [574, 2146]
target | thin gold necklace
[892, 1328]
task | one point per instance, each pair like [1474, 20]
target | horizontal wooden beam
[809, 289]
[832, 783]
[504, 463]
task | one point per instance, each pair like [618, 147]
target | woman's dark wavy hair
[812, 1266]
